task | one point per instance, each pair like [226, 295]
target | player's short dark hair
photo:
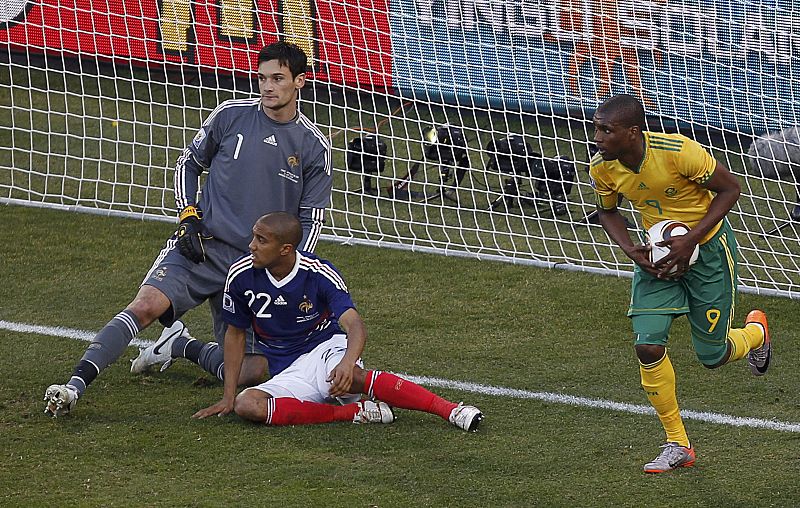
[627, 110]
[285, 226]
[286, 53]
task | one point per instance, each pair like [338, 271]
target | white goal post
[459, 127]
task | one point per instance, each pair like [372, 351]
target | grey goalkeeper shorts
[188, 284]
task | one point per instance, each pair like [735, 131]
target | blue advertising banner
[725, 63]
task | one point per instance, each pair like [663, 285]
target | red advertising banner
[347, 41]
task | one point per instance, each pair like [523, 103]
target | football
[665, 230]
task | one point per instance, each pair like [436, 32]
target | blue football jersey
[292, 316]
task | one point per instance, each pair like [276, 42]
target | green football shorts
[706, 293]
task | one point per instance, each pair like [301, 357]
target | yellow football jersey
[666, 185]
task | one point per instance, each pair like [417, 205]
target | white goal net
[459, 127]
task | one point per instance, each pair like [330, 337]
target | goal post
[459, 127]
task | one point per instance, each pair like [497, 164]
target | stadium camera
[510, 156]
[367, 155]
[553, 178]
[446, 146]
[556, 182]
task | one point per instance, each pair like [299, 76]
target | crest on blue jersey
[227, 303]
[160, 273]
[199, 137]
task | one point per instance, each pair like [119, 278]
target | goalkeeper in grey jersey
[261, 155]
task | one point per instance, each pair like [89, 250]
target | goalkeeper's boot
[373, 412]
[466, 417]
[672, 456]
[60, 400]
[759, 357]
[161, 350]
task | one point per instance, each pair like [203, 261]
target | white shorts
[306, 378]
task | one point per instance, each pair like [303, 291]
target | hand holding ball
[665, 230]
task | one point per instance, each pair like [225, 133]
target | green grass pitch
[131, 441]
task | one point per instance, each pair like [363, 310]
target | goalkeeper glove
[190, 238]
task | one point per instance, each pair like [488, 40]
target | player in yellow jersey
[669, 176]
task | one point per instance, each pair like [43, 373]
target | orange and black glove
[190, 235]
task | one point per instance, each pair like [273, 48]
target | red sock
[288, 411]
[399, 392]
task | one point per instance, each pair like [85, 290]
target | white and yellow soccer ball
[665, 230]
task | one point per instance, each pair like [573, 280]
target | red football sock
[289, 411]
[399, 392]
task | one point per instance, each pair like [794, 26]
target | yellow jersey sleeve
[696, 163]
[667, 184]
[605, 196]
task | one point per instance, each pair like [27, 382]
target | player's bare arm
[614, 224]
[234, 356]
[726, 188]
[341, 377]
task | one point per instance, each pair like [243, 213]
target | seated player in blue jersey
[307, 326]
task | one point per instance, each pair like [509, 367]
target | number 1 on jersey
[239, 139]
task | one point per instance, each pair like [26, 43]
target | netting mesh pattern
[458, 126]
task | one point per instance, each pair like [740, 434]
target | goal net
[459, 127]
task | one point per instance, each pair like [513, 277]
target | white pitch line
[60, 331]
[556, 398]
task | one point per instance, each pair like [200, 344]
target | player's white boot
[373, 412]
[672, 456]
[60, 400]
[161, 350]
[466, 417]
